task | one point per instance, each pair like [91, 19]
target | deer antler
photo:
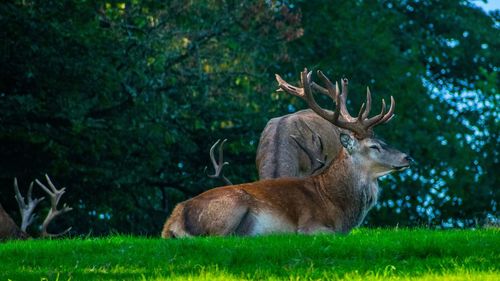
[218, 166]
[55, 195]
[361, 126]
[26, 207]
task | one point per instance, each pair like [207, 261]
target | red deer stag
[9, 229]
[300, 144]
[335, 200]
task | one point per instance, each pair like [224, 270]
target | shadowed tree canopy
[120, 101]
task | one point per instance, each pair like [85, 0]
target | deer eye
[375, 147]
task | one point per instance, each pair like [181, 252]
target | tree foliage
[437, 59]
[121, 100]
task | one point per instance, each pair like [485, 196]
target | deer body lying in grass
[335, 200]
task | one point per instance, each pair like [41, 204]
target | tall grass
[366, 254]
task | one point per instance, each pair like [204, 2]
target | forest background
[120, 101]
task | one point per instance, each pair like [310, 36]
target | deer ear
[347, 142]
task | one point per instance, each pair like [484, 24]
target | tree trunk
[8, 228]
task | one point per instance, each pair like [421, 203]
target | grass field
[366, 254]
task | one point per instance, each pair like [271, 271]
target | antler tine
[212, 156]
[285, 86]
[368, 104]
[375, 119]
[345, 84]
[304, 93]
[221, 153]
[55, 196]
[305, 79]
[388, 116]
[52, 192]
[320, 89]
[361, 111]
[218, 167]
[312, 102]
[340, 106]
[343, 100]
[382, 118]
[332, 92]
[26, 208]
[317, 87]
[340, 98]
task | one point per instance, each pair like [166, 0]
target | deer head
[374, 157]
[377, 157]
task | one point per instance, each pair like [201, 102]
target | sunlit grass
[378, 254]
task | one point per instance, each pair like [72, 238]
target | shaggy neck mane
[350, 191]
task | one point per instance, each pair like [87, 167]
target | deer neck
[348, 188]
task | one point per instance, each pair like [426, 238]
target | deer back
[296, 145]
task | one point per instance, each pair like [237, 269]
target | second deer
[335, 200]
[10, 230]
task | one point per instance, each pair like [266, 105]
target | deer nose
[410, 160]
